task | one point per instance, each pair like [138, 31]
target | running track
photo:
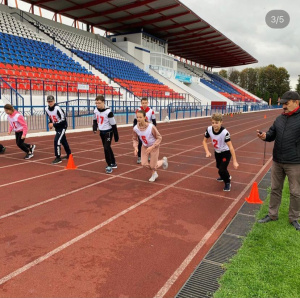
[83, 233]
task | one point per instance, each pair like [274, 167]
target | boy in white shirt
[104, 120]
[224, 150]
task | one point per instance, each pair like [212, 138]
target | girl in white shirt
[151, 140]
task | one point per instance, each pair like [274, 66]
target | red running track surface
[83, 233]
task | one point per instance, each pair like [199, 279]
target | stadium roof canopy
[187, 34]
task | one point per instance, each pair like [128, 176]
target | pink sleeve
[135, 139]
[10, 128]
[22, 121]
[157, 136]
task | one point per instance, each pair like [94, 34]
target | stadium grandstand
[154, 49]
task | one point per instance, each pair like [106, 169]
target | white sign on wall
[83, 87]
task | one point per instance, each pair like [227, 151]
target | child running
[57, 119]
[151, 140]
[104, 120]
[150, 116]
[18, 124]
[220, 138]
[2, 149]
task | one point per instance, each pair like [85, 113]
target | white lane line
[85, 234]
[174, 277]
[165, 288]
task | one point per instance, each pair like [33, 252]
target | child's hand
[135, 151]
[149, 149]
[23, 137]
[50, 125]
[9, 133]
[208, 154]
[235, 164]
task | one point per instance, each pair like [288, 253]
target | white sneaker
[153, 177]
[138, 160]
[165, 163]
[32, 148]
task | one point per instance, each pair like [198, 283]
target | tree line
[265, 82]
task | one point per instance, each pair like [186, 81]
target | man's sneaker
[32, 148]
[114, 165]
[3, 150]
[221, 180]
[108, 170]
[266, 219]
[56, 160]
[138, 160]
[28, 155]
[296, 225]
[65, 157]
[165, 163]
[227, 187]
[153, 177]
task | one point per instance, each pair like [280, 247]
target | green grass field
[268, 263]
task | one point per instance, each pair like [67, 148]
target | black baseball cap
[50, 98]
[288, 96]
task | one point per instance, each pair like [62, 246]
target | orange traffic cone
[71, 164]
[231, 115]
[254, 195]
[265, 117]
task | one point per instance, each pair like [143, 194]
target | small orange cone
[231, 115]
[265, 117]
[71, 164]
[254, 195]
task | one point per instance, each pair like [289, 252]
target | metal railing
[81, 116]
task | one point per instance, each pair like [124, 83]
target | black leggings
[139, 148]
[106, 141]
[222, 162]
[21, 142]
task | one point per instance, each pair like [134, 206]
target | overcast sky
[243, 22]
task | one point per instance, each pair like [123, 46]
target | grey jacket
[286, 133]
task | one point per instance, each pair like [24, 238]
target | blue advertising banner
[183, 78]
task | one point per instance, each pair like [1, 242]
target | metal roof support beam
[183, 32]
[153, 21]
[42, 1]
[201, 45]
[138, 15]
[85, 5]
[117, 9]
[191, 40]
[179, 25]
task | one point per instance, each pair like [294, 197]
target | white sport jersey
[218, 139]
[14, 123]
[57, 115]
[146, 136]
[104, 122]
[150, 115]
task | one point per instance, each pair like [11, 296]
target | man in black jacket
[285, 131]
[57, 119]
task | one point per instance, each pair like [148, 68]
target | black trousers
[21, 142]
[222, 162]
[106, 141]
[61, 139]
[1, 147]
[139, 148]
